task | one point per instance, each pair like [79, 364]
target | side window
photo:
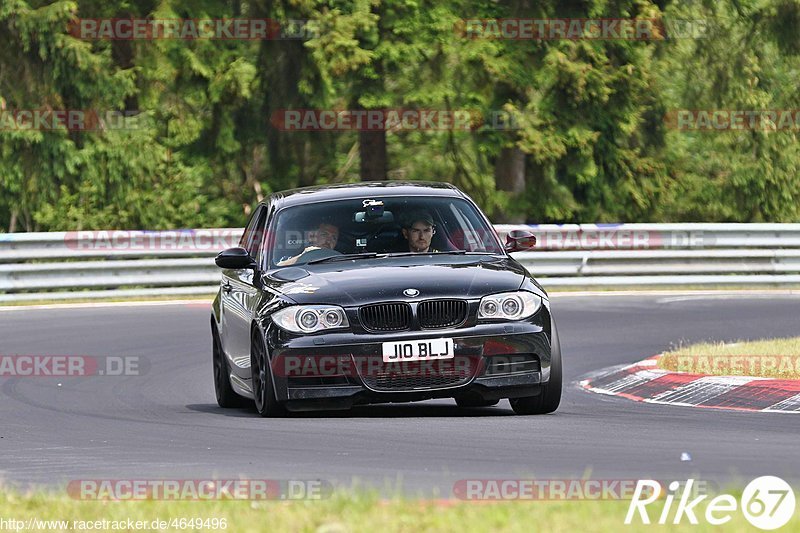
[248, 230]
[256, 238]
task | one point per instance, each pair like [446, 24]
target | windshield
[378, 225]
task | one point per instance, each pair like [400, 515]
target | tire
[467, 402]
[226, 397]
[550, 397]
[263, 389]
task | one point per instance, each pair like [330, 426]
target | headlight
[509, 306]
[310, 318]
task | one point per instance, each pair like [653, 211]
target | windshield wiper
[346, 257]
[373, 255]
[446, 252]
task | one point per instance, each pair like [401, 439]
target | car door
[239, 295]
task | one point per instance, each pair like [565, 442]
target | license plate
[418, 350]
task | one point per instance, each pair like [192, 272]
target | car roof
[343, 191]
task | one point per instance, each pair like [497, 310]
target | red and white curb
[645, 382]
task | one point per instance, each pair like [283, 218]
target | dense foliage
[589, 140]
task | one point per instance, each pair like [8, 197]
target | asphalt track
[166, 424]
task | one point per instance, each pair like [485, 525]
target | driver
[325, 235]
[418, 231]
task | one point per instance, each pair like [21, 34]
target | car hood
[367, 281]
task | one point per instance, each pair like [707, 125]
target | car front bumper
[338, 370]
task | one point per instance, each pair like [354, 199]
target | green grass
[345, 512]
[773, 358]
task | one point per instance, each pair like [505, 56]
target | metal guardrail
[53, 266]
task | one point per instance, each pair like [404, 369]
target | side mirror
[519, 240]
[235, 259]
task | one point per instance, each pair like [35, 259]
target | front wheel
[550, 397]
[263, 390]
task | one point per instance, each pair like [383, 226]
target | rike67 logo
[768, 502]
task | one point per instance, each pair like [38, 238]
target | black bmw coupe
[380, 292]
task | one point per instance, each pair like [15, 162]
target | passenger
[418, 231]
[325, 236]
